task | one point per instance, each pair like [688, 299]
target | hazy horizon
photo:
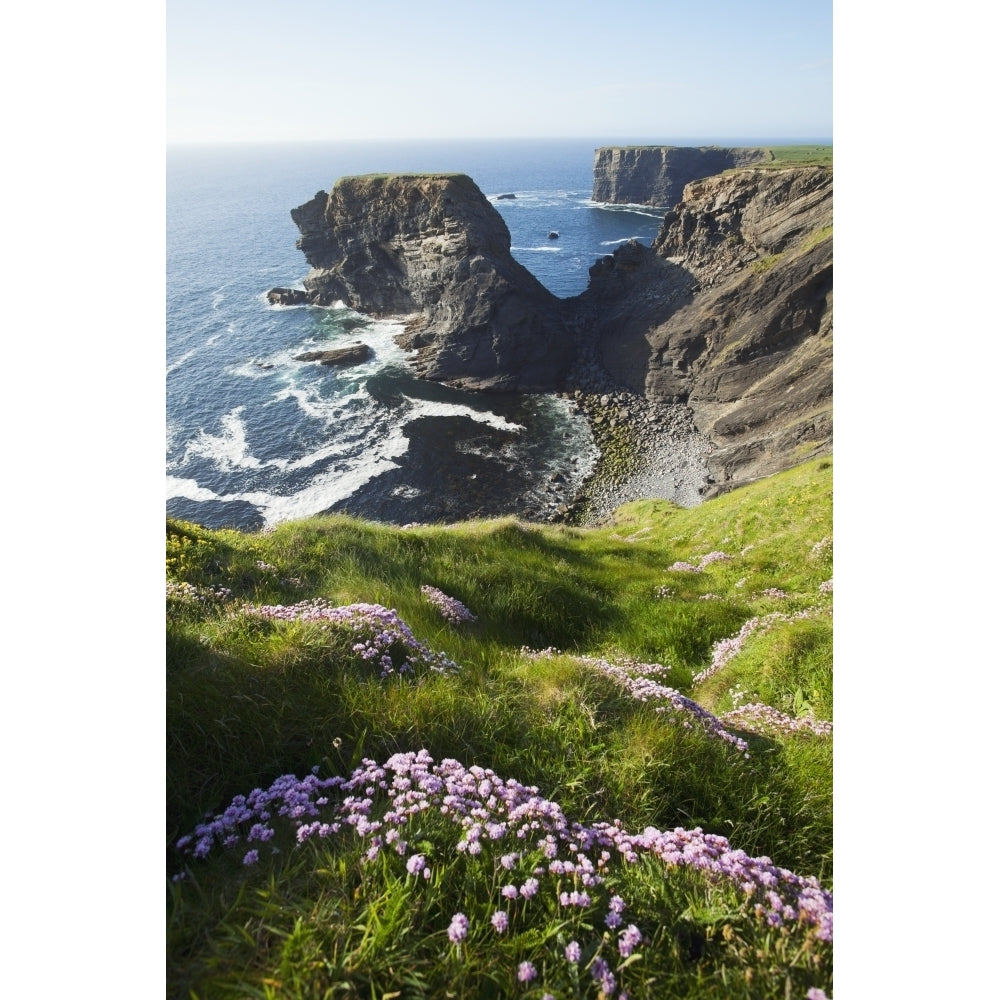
[324, 70]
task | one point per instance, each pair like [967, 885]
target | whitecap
[426, 408]
[228, 450]
[188, 489]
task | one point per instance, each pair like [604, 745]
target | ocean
[254, 438]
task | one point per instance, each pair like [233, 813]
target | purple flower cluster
[452, 610]
[383, 638]
[768, 721]
[637, 680]
[383, 804]
[826, 587]
[725, 649]
[706, 560]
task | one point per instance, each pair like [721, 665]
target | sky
[261, 70]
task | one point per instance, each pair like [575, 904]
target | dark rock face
[432, 248]
[656, 175]
[730, 311]
[288, 297]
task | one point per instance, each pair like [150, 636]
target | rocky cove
[701, 362]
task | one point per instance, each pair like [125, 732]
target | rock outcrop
[657, 175]
[730, 311]
[340, 357]
[432, 248]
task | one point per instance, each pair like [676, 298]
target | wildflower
[452, 610]
[458, 928]
[529, 888]
[815, 993]
[573, 952]
[499, 921]
[630, 938]
[415, 864]
[526, 972]
[250, 858]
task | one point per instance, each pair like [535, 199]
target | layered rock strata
[432, 248]
[729, 312]
[657, 175]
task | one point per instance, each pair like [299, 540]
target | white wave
[425, 408]
[186, 356]
[541, 249]
[627, 239]
[649, 211]
[325, 490]
[315, 406]
[228, 450]
[188, 489]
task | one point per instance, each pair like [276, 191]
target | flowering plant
[452, 610]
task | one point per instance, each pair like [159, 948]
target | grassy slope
[249, 700]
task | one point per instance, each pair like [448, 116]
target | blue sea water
[254, 437]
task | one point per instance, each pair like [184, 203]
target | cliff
[432, 248]
[657, 175]
[730, 311]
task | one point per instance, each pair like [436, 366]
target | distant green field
[799, 156]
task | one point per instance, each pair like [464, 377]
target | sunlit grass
[250, 698]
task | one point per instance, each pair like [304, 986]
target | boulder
[288, 297]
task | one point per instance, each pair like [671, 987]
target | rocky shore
[649, 451]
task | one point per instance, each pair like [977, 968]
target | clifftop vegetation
[499, 759]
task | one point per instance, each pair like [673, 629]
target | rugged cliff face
[432, 248]
[731, 312]
[656, 175]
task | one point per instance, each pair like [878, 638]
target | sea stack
[431, 248]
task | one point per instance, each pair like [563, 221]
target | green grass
[249, 699]
[798, 156]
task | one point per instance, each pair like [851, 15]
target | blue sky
[258, 70]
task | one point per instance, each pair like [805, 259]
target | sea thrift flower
[815, 993]
[725, 649]
[573, 952]
[636, 679]
[630, 938]
[383, 638]
[684, 567]
[377, 798]
[499, 921]
[452, 610]
[458, 928]
[415, 865]
[526, 972]
[250, 858]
